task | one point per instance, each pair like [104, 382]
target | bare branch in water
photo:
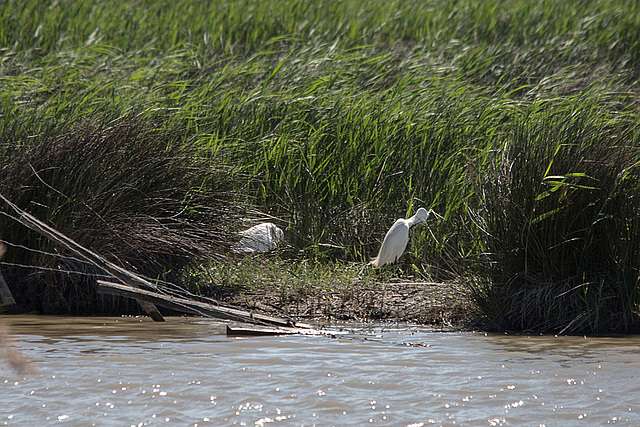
[8, 351]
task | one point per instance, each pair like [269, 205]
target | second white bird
[396, 239]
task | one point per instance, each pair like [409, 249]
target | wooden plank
[238, 331]
[196, 307]
[54, 235]
[254, 331]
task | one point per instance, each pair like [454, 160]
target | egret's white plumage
[263, 237]
[396, 239]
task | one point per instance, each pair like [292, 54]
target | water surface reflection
[128, 371]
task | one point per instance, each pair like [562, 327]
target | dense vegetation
[517, 121]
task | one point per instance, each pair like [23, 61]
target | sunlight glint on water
[124, 371]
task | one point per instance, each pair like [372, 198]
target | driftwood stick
[126, 276]
[5, 293]
[195, 307]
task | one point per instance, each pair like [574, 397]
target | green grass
[257, 274]
[515, 120]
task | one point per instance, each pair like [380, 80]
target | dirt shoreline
[438, 305]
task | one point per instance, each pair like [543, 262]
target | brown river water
[187, 372]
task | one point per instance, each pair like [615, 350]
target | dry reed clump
[133, 191]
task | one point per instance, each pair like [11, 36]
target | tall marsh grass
[560, 210]
[515, 120]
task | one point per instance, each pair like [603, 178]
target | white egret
[263, 237]
[396, 239]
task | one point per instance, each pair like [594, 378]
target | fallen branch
[118, 272]
[196, 307]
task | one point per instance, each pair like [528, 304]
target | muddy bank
[436, 304]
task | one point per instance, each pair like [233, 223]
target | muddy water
[127, 371]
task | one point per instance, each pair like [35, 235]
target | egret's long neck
[419, 217]
[413, 221]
